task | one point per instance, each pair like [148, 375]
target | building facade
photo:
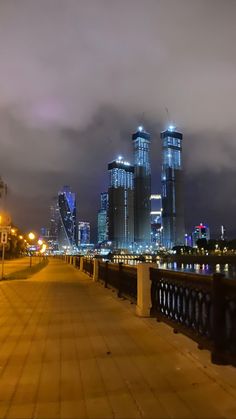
[142, 187]
[83, 233]
[156, 220]
[200, 232]
[121, 204]
[67, 234]
[172, 188]
[102, 220]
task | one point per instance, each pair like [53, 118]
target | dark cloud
[76, 77]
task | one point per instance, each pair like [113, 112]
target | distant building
[172, 188]
[102, 220]
[188, 240]
[54, 215]
[121, 204]
[83, 233]
[200, 232]
[156, 219]
[67, 234]
[142, 187]
[44, 232]
[222, 233]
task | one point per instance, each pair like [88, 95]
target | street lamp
[31, 236]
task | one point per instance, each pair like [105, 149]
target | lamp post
[31, 236]
[40, 243]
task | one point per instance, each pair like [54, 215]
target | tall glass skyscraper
[120, 204]
[67, 234]
[142, 187]
[102, 218]
[172, 188]
[53, 226]
[83, 233]
[156, 219]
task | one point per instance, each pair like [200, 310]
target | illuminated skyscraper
[200, 232]
[102, 218]
[67, 235]
[142, 187]
[172, 188]
[120, 204]
[156, 220]
[83, 233]
[53, 228]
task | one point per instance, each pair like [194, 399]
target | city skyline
[93, 215]
[70, 98]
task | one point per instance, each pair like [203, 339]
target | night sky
[78, 77]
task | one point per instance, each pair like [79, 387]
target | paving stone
[20, 411]
[73, 410]
[99, 408]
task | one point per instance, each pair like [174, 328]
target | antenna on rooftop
[168, 116]
[170, 123]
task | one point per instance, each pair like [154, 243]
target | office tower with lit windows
[67, 234]
[121, 204]
[172, 188]
[156, 220]
[200, 232]
[53, 227]
[142, 187]
[102, 219]
[83, 233]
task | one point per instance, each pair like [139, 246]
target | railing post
[95, 269]
[74, 261]
[106, 274]
[119, 293]
[81, 264]
[144, 289]
[218, 320]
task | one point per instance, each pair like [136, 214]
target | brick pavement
[70, 349]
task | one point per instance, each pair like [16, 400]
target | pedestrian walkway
[71, 349]
[16, 265]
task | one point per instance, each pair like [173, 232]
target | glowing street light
[40, 242]
[31, 236]
[44, 247]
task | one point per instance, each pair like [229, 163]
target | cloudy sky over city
[77, 78]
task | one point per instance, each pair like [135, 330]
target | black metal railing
[77, 261]
[202, 307]
[88, 266]
[121, 278]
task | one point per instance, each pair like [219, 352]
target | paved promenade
[70, 349]
[16, 265]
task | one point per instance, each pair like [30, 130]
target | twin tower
[129, 205]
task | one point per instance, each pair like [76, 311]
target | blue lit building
[172, 188]
[156, 220]
[67, 234]
[103, 218]
[142, 187]
[121, 204]
[83, 233]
